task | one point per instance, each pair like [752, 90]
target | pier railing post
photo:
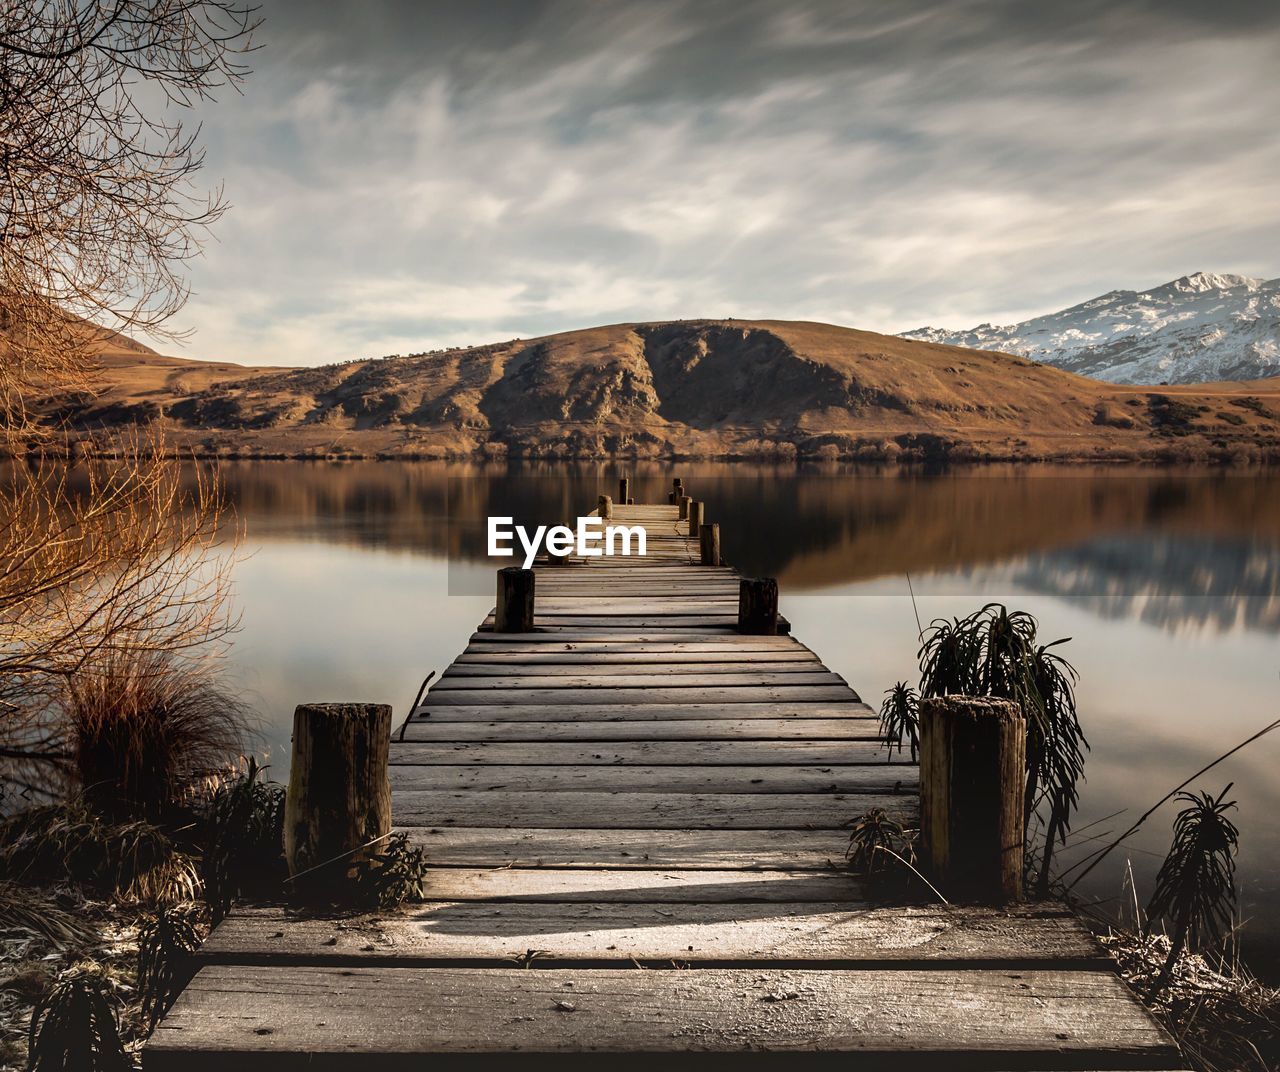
[337, 809]
[683, 502]
[758, 606]
[624, 491]
[604, 507]
[972, 779]
[709, 544]
[695, 518]
[514, 613]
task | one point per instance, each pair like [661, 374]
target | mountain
[1195, 329]
[698, 388]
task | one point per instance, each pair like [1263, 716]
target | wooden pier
[636, 818]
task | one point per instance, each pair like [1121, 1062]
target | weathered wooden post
[972, 779]
[514, 613]
[624, 490]
[604, 507]
[709, 544]
[677, 487]
[758, 606]
[683, 502]
[337, 811]
[695, 518]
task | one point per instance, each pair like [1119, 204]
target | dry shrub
[26, 911]
[101, 567]
[1223, 1018]
[147, 731]
[59, 844]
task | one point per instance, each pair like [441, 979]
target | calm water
[1168, 585]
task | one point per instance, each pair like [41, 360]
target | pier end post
[337, 811]
[624, 490]
[758, 606]
[709, 544]
[972, 779]
[514, 613]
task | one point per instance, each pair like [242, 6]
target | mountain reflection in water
[1193, 549]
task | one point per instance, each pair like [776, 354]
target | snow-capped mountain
[1195, 329]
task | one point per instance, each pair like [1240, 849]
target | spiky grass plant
[995, 652]
[1195, 890]
[900, 719]
[74, 1028]
[874, 841]
[166, 941]
[393, 876]
[244, 850]
[147, 730]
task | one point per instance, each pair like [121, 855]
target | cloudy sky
[413, 174]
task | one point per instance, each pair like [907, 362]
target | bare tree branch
[99, 210]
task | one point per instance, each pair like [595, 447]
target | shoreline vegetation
[909, 457]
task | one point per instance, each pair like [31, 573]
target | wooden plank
[630, 599]
[726, 641]
[869, 778]
[601, 811]
[668, 754]
[631, 886]
[839, 936]
[696, 623]
[651, 694]
[622, 607]
[699, 850]
[517, 712]
[720, 729]
[594, 585]
[732, 752]
[317, 1017]
[711, 672]
[475, 661]
[525, 678]
[501, 646]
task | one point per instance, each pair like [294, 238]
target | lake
[359, 578]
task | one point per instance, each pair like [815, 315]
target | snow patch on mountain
[1202, 327]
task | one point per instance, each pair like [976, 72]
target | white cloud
[661, 160]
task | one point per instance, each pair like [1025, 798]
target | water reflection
[1166, 581]
[1176, 550]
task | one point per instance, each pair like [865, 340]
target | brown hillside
[697, 388]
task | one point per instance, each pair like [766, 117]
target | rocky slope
[1196, 329]
[695, 388]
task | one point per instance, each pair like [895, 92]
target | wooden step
[843, 935]
[255, 1017]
